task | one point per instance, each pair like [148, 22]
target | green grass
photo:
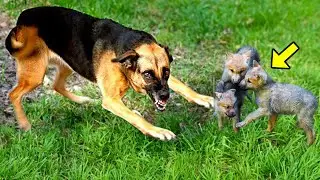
[86, 142]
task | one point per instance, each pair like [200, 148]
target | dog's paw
[25, 126]
[206, 101]
[85, 100]
[160, 133]
[137, 112]
[240, 124]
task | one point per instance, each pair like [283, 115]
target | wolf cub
[236, 67]
[224, 106]
[278, 98]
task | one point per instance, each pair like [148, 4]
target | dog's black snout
[164, 95]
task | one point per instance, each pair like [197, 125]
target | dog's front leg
[117, 107]
[189, 94]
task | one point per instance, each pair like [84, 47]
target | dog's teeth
[162, 103]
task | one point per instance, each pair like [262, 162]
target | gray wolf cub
[278, 98]
[224, 107]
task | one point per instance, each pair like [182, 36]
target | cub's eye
[249, 81]
[227, 107]
[232, 70]
[148, 75]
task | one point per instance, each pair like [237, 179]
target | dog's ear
[128, 59]
[166, 48]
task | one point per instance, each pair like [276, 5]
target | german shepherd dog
[101, 50]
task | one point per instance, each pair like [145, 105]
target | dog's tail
[21, 41]
[13, 41]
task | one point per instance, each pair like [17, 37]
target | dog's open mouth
[160, 104]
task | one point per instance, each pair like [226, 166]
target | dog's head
[147, 69]
[255, 78]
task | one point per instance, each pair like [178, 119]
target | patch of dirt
[8, 76]
[7, 70]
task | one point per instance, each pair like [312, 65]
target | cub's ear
[256, 64]
[228, 58]
[232, 91]
[128, 59]
[166, 48]
[217, 95]
[257, 77]
[247, 54]
[228, 55]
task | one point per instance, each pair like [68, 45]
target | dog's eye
[166, 73]
[232, 70]
[148, 75]
[227, 106]
[249, 81]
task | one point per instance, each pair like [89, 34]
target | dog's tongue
[163, 101]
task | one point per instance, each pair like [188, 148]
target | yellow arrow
[278, 60]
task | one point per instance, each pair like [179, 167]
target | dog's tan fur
[113, 79]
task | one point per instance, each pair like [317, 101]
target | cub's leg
[272, 122]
